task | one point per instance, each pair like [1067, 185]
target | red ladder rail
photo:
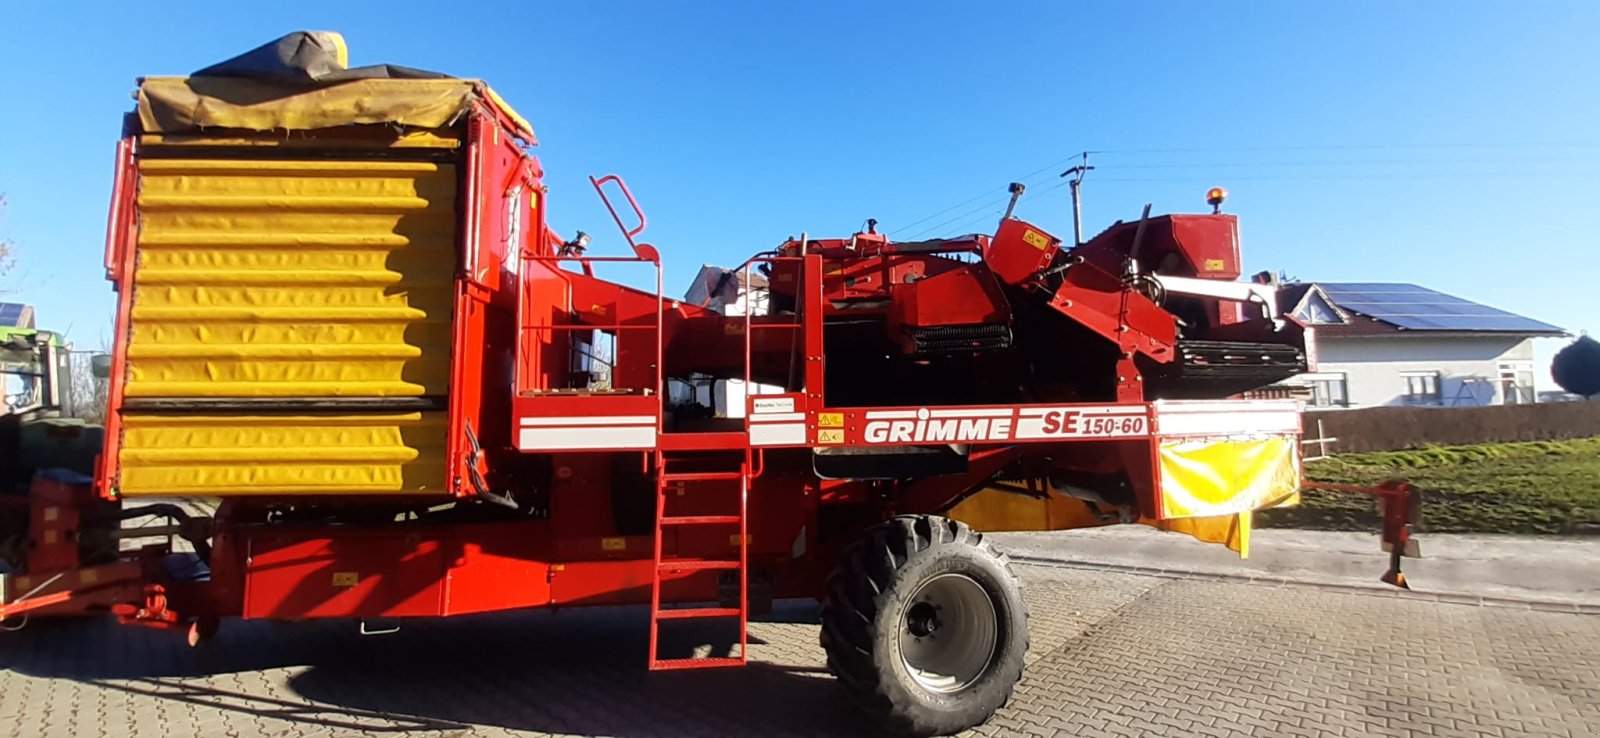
[690, 482]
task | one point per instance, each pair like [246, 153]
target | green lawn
[1533, 487]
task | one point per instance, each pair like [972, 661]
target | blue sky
[1452, 144]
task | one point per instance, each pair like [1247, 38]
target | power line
[990, 204]
[1370, 175]
[993, 211]
[1346, 163]
[1358, 147]
[990, 199]
[988, 192]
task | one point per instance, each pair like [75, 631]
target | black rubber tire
[866, 605]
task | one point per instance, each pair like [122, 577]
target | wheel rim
[948, 633]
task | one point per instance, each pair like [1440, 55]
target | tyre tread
[849, 611]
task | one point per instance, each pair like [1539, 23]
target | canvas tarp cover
[300, 82]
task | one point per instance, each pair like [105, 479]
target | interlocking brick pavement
[1114, 654]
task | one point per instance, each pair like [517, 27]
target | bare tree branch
[8, 251]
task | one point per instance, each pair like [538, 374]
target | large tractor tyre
[924, 625]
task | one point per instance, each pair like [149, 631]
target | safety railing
[533, 332]
[750, 325]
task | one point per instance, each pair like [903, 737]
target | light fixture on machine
[1215, 197]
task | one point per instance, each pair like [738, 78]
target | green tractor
[38, 427]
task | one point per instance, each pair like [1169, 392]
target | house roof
[16, 315]
[714, 281]
[1393, 308]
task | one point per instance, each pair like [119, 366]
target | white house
[1400, 344]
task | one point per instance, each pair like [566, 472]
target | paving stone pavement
[1114, 654]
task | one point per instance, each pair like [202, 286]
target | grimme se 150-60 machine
[342, 314]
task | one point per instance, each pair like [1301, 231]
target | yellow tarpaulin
[1214, 478]
[1232, 531]
[180, 104]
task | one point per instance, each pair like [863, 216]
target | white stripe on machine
[550, 439]
[778, 434]
[591, 420]
[1227, 418]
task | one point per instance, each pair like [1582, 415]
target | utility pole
[1076, 173]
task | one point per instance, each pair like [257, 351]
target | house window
[1422, 388]
[1516, 382]
[1327, 390]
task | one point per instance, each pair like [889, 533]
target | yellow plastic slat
[292, 278]
[336, 454]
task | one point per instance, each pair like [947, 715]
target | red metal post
[811, 292]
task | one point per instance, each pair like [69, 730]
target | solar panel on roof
[1419, 308]
[16, 315]
[1369, 286]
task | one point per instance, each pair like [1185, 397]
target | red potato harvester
[342, 315]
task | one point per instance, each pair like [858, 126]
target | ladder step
[666, 664]
[698, 612]
[701, 476]
[716, 441]
[701, 520]
[696, 565]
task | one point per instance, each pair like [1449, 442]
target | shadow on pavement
[579, 671]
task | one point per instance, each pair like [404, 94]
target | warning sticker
[1036, 239]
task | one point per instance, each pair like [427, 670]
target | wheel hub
[950, 633]
[922, 620]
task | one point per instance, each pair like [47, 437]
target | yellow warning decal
[830, 436]
[613, 544]
[346, 578]
[1036, 239]
[830, 420]
[1214, 265]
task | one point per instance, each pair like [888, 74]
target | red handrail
[118, 220]
[638, 249]
[750, 325]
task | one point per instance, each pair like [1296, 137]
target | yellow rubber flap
[345, 454]
[1232, 531]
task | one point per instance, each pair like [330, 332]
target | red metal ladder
[688, 483]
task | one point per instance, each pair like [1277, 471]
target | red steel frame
[119, 264]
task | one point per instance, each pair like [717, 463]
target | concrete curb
[1547, 574]
[1450, 598]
